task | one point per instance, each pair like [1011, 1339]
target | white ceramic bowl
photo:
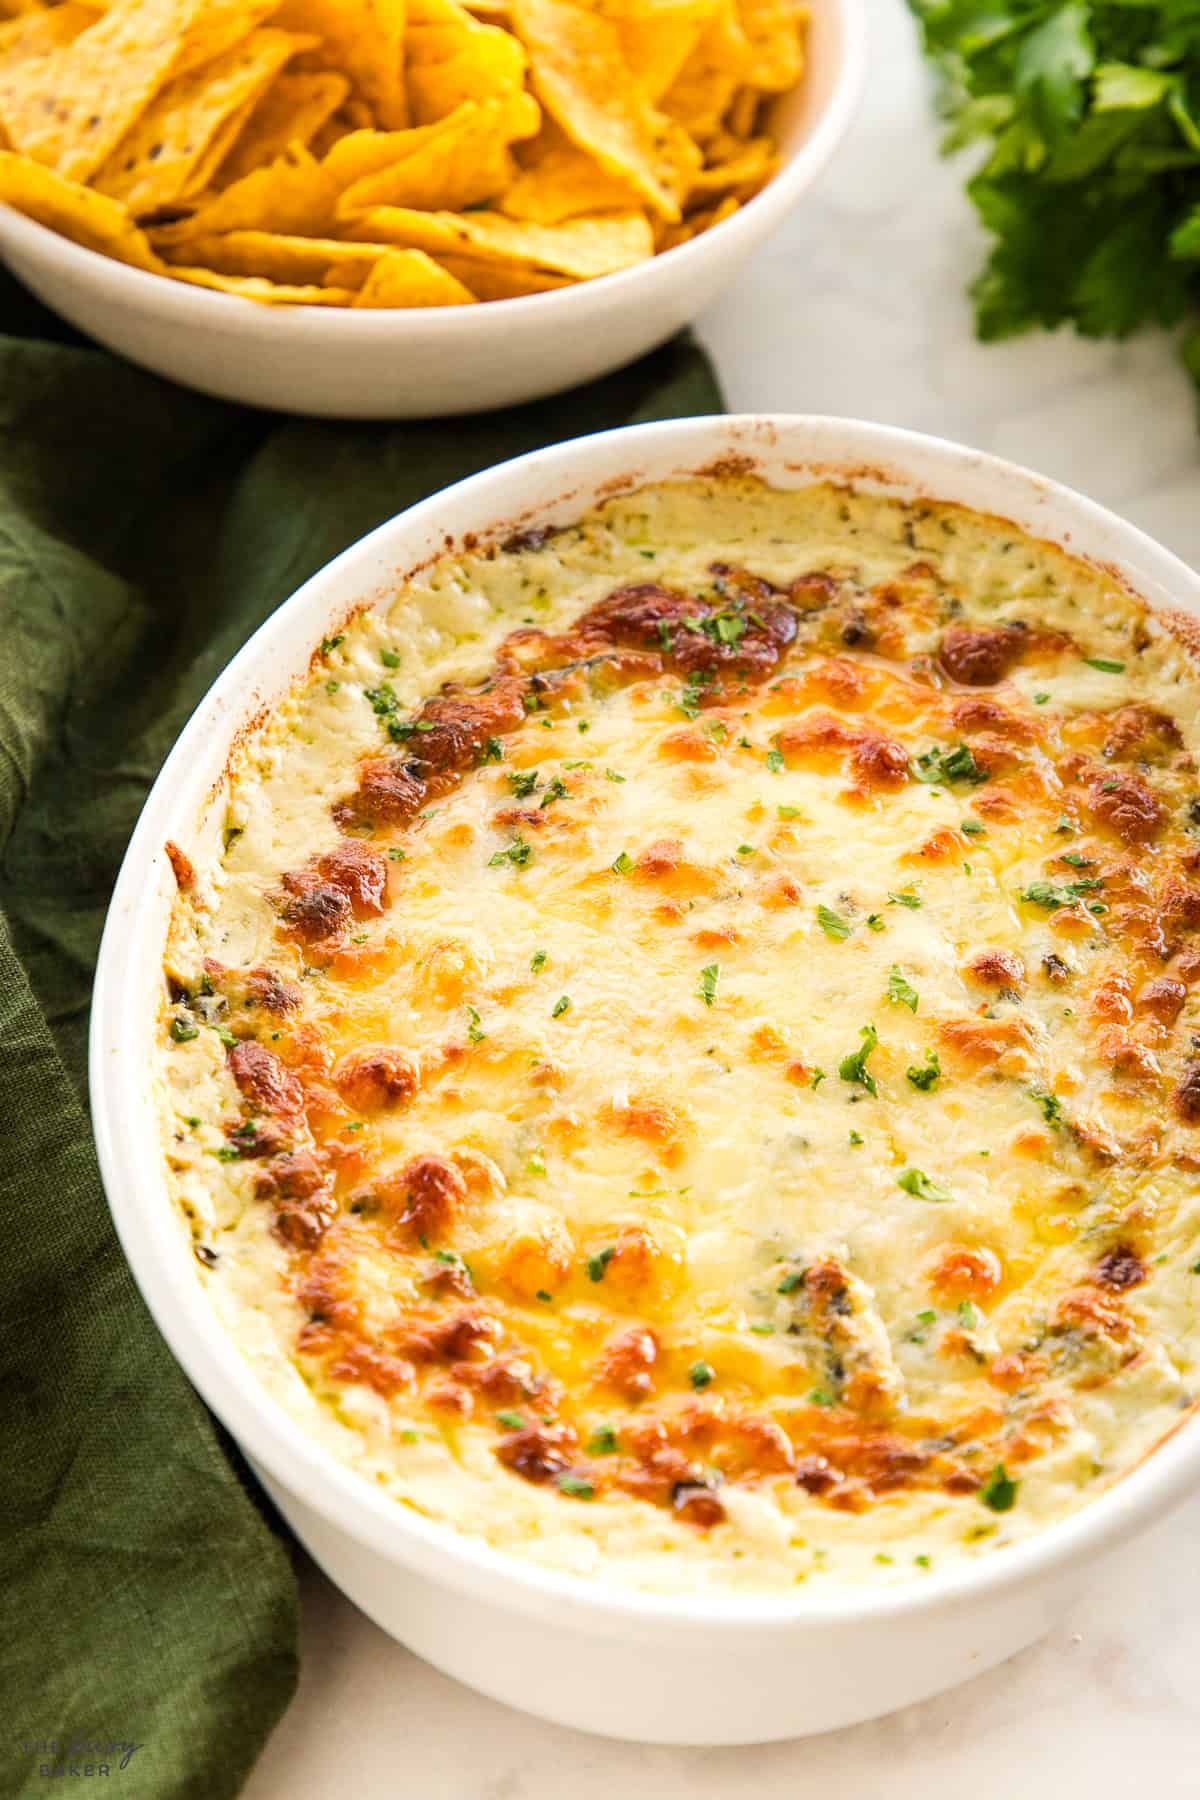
[675, 1670]
[426, 363]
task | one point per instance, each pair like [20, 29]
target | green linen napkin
[149, 1606]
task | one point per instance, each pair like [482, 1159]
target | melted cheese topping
[683, 1069]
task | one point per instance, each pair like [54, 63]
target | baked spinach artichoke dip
[685, 1066]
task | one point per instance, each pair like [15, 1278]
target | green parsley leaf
[917, 1183]
[875, 922]
[390, 659]
[832, 924]
[577, 1486]
[901, 991]
[473, 1029]
[522, 782]
[856, 1138]
[182, 1029]
[925, 1076]
[1050, 1104]
[790, 1282]
[518, 853]
[788, 812]
[1105, 664]
[611, 775]
[701, 1375]
[853, 1067]
[603, 1441]
[561, 1005]
[775, 761]
[556, 789]
[999, 1491]
[597, 1264]
[331, 643]
[821, 1397]
[948, 766]
[710, 974]
[910, 900]
[511, 1421]
[973, 827]
[623, 864]
[537, 961]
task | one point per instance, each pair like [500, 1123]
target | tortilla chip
[281, 257]
[410, 278]
[157, 161]
[271, 293]
[749, 168]
[292, 111]
[69, 109]
[671, 236]
[657, 37]
[581, 77]
[221, 26]
[774, 30]
[700, 96]
[742, 116]
[38, 33]
[363, 39]
[452, 58]
[564, 183]
[293, 194]
[76, 212]
[580, 247]
[501, 281]
[463, 161]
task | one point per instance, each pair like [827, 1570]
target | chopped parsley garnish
[973, 827]
[537, 961]
[611, 775]
[474, 1032]
[856, 1138]
[832, 924]
[577, 1486]
[818, 1076]
[395, 854]
[821, 1397]
[763, 1328]
[1050, 1104]
[518, 853]
[536, 1163]
[875, 922]
[745, 850]
[775, 761]
[1077, 859]
[1105, 664]
[623, 864]
[999, 1491]
[689, 697]
[182, 1030]
[603, 1441]
[522, 782]
[390, 659]
[1051, 896]
[331, 643]
[561, 1005]
[925, 1076]
[493, 750]
[916, 1182]
[231, 834]
[854, 1066]
[790, 1282]
[597, 1264]
[901, 991]
[1040, 699]
[788, 812]
[949, 766]
[511, 1421]
[912, 901]
[556, 789]
[968, 1315]
[701, 1374]
[710, 974]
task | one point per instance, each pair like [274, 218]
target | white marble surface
[857, 307]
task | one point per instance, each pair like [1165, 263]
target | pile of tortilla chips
[388, 152]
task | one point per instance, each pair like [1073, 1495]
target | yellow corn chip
[464, 161]
[272, 293]
[293, 194]
[742, 116]
[156, 162]
[38, 33]
[565, 183]
[452, 57]
[279, 256]
[749, 167]
[700, 96]
[581, 77]
[657, 37]
[672, 235]
[364, 39]
[70, 108]
[222, 25]
[357, 154]
[76, 212]
[580, 247]
[292, 111]
[409, 278]
[501, 281]
[773, 31]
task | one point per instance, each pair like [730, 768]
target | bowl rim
[182, 304]
[268, 1435]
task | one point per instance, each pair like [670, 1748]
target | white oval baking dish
[721, 1670]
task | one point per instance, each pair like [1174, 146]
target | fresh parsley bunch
[1091, 186]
